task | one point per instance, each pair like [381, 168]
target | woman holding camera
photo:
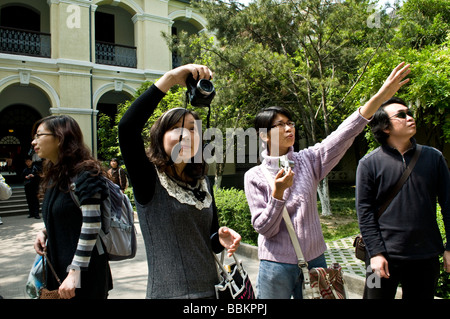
[279, 276]
[174, 199]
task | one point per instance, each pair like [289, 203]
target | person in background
[30, 176]
[118, 175]
[5, 192]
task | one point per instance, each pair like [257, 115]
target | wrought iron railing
[25, 42]
[115, 54]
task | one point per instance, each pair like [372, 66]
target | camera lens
[205, 87]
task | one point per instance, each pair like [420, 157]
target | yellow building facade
[80, 58]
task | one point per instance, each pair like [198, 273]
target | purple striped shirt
[311, 165]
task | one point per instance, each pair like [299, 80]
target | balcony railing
[25, 42]
[115, 54]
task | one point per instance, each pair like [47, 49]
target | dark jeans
[418, 279]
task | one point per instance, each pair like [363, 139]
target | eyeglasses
[38, 135]
[281, 125]
[403, 114]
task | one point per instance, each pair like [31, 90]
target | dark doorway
[16, 121]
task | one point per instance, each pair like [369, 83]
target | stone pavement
[17, 235]
[342, 251]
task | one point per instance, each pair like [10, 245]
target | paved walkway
[17, 235]
[343, 252]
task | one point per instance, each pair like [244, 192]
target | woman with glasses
[70, 233]
[295, 188]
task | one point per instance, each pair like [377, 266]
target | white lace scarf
[182, 195]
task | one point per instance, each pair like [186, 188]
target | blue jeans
[283, 281]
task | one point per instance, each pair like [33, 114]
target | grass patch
[344, 221]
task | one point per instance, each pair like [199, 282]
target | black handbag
[234, 282]
[358, 243]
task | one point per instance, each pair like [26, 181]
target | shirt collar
[391, 149]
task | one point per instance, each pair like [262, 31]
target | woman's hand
[67, 288]
[179, 75]
[282, 182]
[229, 239]
[39, 242]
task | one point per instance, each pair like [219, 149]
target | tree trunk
[324, 196]
[218, 175]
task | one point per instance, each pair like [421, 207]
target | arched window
[9, 140]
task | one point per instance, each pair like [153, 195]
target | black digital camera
[200, 93]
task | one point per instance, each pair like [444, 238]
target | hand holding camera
[178, 76]
[199, 92]
[284, 178]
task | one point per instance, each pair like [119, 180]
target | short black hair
[381, 121]
[265, 117]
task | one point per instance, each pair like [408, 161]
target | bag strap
[224, 272]
[47, 260]
[301, 262]
[222, 268]
[401, 181]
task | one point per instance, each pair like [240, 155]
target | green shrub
[443, 286]
[233, 212]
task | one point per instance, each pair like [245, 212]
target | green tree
[423, 23]
[422, 39]
[107, 134]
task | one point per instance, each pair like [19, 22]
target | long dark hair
[74, 156]
[157, 153]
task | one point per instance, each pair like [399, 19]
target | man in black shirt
[403, 244]
[31, 178]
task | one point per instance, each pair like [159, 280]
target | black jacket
[408, 228]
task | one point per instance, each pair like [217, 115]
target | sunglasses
[403, 114]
